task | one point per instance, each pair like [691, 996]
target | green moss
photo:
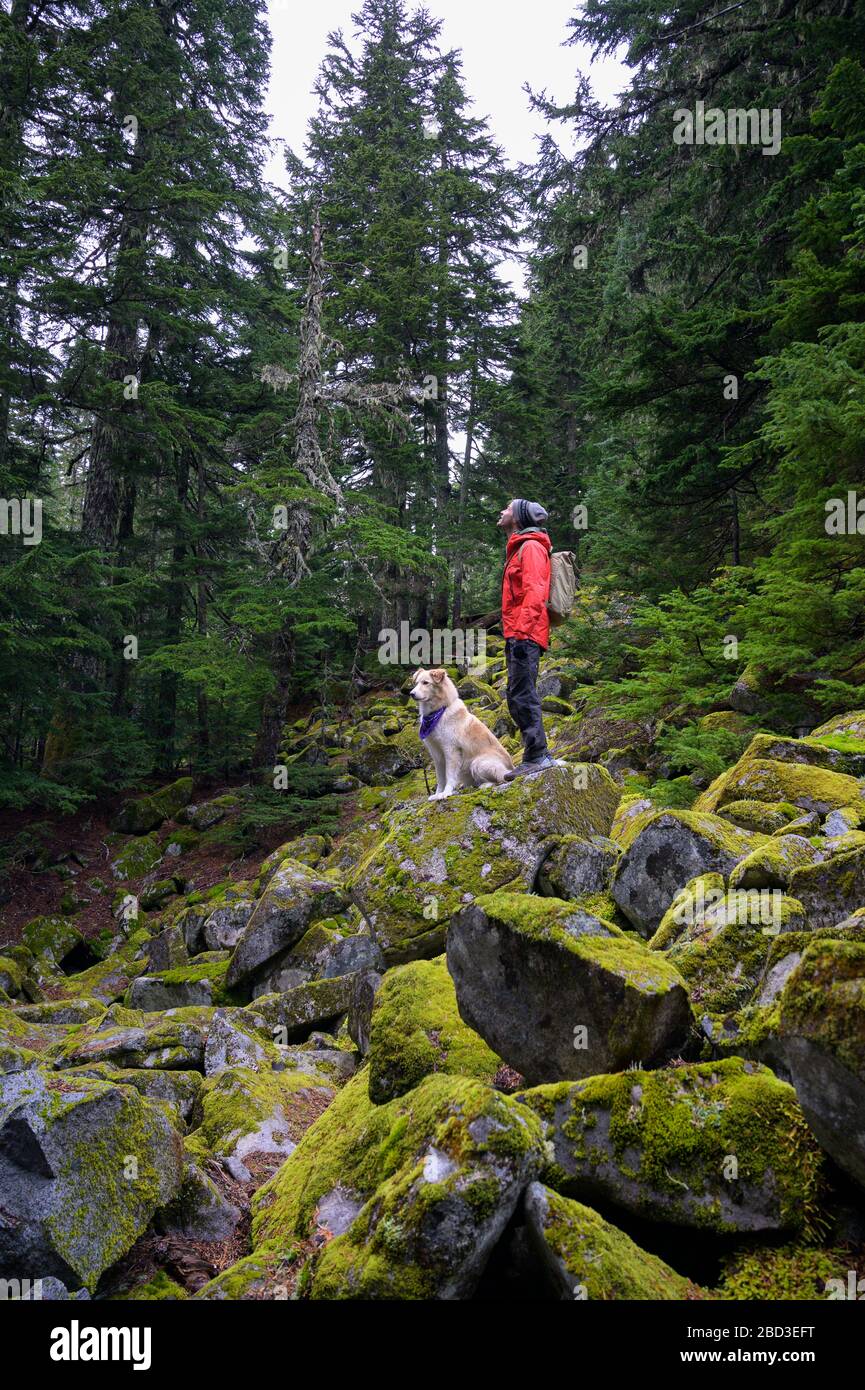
[674, 1130]
[436, 854]
[604, 1263]
[416, 1030]
[824, 1001]
[160, 1287]
[51, 938]
[361, 1147]
[787, 1273]
[546, 919]
[802, 784]
[136, 858]
[238, 1102]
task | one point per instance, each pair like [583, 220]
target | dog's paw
[436, 796]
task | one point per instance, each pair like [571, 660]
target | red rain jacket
[526, 587]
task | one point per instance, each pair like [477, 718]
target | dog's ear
[438, 676]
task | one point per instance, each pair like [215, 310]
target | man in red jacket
[526, 623]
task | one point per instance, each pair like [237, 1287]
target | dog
[465, 752]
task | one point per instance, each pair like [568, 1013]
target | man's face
[506, 520]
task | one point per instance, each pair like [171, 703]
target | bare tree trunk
[459, 571]
[293, 548]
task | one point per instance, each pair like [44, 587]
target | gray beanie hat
[529, 514]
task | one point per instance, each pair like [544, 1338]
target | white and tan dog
[463, 749]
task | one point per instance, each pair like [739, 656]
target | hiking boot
[527, 769]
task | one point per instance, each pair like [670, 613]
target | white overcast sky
[504, 45]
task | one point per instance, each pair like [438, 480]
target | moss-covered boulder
[200, 1211]
[723, 952]
[53, 941]
[577, 868]
[852, 724]
[796, 771]
[67, 1011]
[181, 988]
[772, 865]
[766, 817]
[223, 928]
[167, 950]
[295, 897]
[687, 906]
[380, 763]
[205, 814]
[83, 1166]
[599, 731]
[440, 855]
[721, 1146]
[136, 858]
[416, 1029]
[236, 1039]
[144, 813]
[293, 1014]
[816, 1035]
[155, 894]
[328, 949]
[668, 851]
[415, 1193]
[304, 849]
[128, 1038]
[559, 993]
[632, 815]
[582, 1257]
[244, 1113]
[830, 891]
[472, 688]
[11, 976]
[177, 1091]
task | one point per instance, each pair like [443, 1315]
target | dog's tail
[487, 767]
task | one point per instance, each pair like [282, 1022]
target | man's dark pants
[523, 658]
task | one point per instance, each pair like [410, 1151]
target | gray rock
[296, 897]
[83, 1166]
[365, 987]
[200, 1211]
[829, 892]
[152, 994]
[293, 1015]
[224, 926]
[232, 1042]
[560, 994]
[698, 1146]
[50, 1290]
[578, 867]
[168, 950]
[671, 850]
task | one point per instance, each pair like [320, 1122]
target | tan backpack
[563, 586]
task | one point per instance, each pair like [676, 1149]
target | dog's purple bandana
[429, 722]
